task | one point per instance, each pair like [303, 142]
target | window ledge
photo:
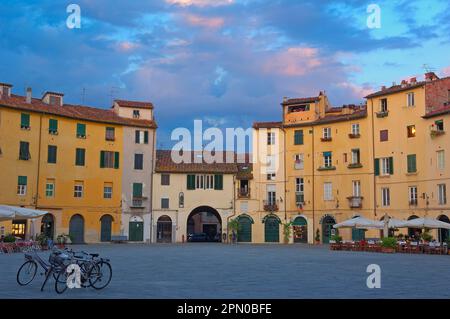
[411, 174]
[384, 176]
[355, 165]
[351, 135]
[330, 168]
[382, 114]
[326, 139]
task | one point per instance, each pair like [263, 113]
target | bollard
[182, 238]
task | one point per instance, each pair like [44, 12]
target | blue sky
[227, 62]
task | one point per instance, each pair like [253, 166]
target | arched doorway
[443, 234]
[245, 229]
[76, 229]
[414, 232]
[271, 229]
[136, 229]
[106, 228]
[327, 228]
[300, 230]
[204, 224]
[164, 229]
[48, 226]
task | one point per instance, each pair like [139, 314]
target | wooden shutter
[80, 157]
[53, 125]
[146, 137]
[81, 130]
[191, 182]
[298, 137]
[377, 166]
[51, 156]
[137, 190]
[116, 160]
[411, 159]
[136, 137]
[24, 120]
[22, 180]
[391, 165]
[218, 182]
[102, 159]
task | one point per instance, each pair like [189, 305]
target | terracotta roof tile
[395, 89]
[134, 104]
[311, 99]
[258, 125]
[333, 118]
[73, 111]
[439, 111]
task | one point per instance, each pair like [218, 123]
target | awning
[13, 212]
[5, 214]
[426, 223]
[360, 222]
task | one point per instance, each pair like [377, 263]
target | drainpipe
[39, 160]
[284, 172]
[373, 156]
[151, 183]
[233, 203]
[313, 186]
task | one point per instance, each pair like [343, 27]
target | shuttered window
[190, 182]
[81, 130]
[139, 161]
[51, 154]
[24, 151]
[218, 182]
[411, 161]
[24, 120]
[298, 137]
[80, 155]
[109, 159]
[52, 126]
[22, 185]
[137, 190]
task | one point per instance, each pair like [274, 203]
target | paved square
[246, 271]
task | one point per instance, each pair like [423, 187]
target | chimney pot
[28, 95]
[413, 80]
[431, 76]
[383, 88]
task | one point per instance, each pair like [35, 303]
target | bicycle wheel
[61, 281]
[26, 273]
[101, 279]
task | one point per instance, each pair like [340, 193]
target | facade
[64, 159]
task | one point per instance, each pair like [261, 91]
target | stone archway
[164, 229]
[204, 224]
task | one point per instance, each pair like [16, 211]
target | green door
[327, 229]
[300, 230]
[136, 231]
[106, 223]
[76, 229]
[245, 230]
[272, 230]
[358, 234]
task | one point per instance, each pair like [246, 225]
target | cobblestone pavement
[246, 271]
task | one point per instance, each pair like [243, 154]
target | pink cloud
[356, 90]
[445, 71]
[126, 46]
[294, 61]
[196, 20]
[200, 3]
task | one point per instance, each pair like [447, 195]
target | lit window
[411, 129]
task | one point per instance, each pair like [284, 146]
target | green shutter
[137, 190]
[25, 120]
[191, 182]
[80, 157]
[81, 130]
[22, 180]
[116, 160]
[218, 182]
[411, 159]
[146, 137]
[377, 166]
[51, 155]
[52, 125]
[136, 137]
[391, 165]
[298, 137]
[102, 159]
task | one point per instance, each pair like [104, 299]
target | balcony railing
[138, 202]
[271, 206]
[355, 201]
[434, 131]
[353, 135]
[413, 202]
[243, 192]
[382, 114]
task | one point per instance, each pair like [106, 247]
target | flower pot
[388, 250]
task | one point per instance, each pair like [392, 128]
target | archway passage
[443, 234]
[414, 232]
[204, 224]
[136, 229]
[245, 229]
[164, 229]
[76, 229]
[271, 229]
[327, 228]
[106, 228]
[300, 230]
[48, 226]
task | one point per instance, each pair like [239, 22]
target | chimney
[431, 76]
[413, 80]
[383, 88]
[404, 83]
[28, 95]
[5, 90]
[285, 98]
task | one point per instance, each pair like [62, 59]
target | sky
[228, 63]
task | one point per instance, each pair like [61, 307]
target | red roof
[301, 100]
[134, 104]
[440, 111]
[258, 125]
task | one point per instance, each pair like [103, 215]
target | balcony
[355, 165]
[355, 201]
[351, 135]
[382, 114]
[413, 202]
[326, 139]
[326, 168]
[434, 132]
[243, 192]
[270, 206]
[138, 202]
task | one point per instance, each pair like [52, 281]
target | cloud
[445, 71]
[206, 22]
[294, 61]
[200, 3]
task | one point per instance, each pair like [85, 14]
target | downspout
[39, 161]
[151, 183]
[285, 173]
[233, 203]
[373, 161]
[313, 187]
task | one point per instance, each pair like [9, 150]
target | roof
[258, 125]
[395, 89]
[445, 109]
[332, 119]
[301, 100]
[134, 104]
[6, 84]
[80, 112]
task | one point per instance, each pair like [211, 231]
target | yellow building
[65, 159]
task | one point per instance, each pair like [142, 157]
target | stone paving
[207, 270]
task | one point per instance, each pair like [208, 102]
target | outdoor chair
[414, 248]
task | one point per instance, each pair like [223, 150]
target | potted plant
[388, 245]
[43, 241]
[336, 238]
[287, 229]
[317, 237]
[447, 241]
[10, 238]
[426, 236]
[62, 240]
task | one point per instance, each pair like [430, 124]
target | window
[356, 187]
[209, 181]
[327, 191]
[55, 100]
[385, 197]
[199, 181]
[107, 190]
[411, 163]
[165, 179]
[327, 159]
[412, 195]
[81, 130]
[25, 121]
[136, 114]
[141, 137]
[24, 151]
[164, 203]
[50, 188]
[439, 125]
[442, 194]
[387, 166]
[411, 130]
[139, 161]
[299, 161]
[19, 228]
[271, 195]
[355, 129]
[298, 137]
[190, 182]
[299, 190]
[22, 186]
[410, 99]
[326, 133]
[181, 200]
[271, 138]
[441, 159]
[356, 158]
[51, 154]
[80, 156]
[271, 176]
[383, 105]
[53, 126]
[110, 134]
[109, 159]
[137, 190]
[205, 182]
[78, 190]
[384, 135]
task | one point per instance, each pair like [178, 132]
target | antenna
[83, 95]
[112, 93]
[427, 68]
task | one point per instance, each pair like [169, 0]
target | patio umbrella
[427, 223]
[360, 222]
[14, 212]
[5, 214]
